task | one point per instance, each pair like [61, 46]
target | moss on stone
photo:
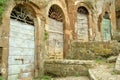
[93, 50]
[2, 8]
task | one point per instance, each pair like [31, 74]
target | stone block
[60, 68]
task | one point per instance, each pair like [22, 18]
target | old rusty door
[21, 50]
[55, 38]
[106, 29]
[82, 27]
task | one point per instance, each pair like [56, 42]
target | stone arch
[6, 28]
[63, 8]
[88, 9]
[55, 12]
[23, 14]
[83, 4]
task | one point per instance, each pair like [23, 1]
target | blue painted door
[106, 30]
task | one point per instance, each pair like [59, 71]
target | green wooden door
[106, 30]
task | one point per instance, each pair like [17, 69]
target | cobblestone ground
[72, 78]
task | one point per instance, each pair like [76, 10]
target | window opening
[106, 16]
[20, 13]
[56, 13]
[82, 10]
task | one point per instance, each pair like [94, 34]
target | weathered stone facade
[40, 9]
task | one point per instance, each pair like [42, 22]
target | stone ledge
[62, 68]
[91, 75]
[70, 62]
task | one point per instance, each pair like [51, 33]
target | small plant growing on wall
[46, 36]
[2, 78]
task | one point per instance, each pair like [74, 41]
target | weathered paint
[21, 50]
[82, 27]
[55, 37]
[106, 29]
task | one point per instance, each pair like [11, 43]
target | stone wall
[60, 68]
[116, 36]
[96, 9]
[93, 50]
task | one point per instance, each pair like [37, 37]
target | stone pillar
[90, 27]
[117, 65]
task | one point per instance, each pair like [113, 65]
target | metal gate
[21, 50]
[106, 29]
[55, 39]
[82, 27]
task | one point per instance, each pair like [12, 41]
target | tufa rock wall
[92, 50]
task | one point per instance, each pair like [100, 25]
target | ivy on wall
[2, 8]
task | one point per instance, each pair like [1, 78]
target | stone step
[103, 73]
[72, 78]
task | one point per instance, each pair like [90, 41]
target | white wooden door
[55, 38]
[82, 27]
[21, 50]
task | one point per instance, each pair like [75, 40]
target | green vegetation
[114, 73]
[2, 8]
[45, 78]
[2, 78]
[46, 36]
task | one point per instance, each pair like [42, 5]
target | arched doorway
[21, 59]
[82, 24]
[106, 27]
[56, 32]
